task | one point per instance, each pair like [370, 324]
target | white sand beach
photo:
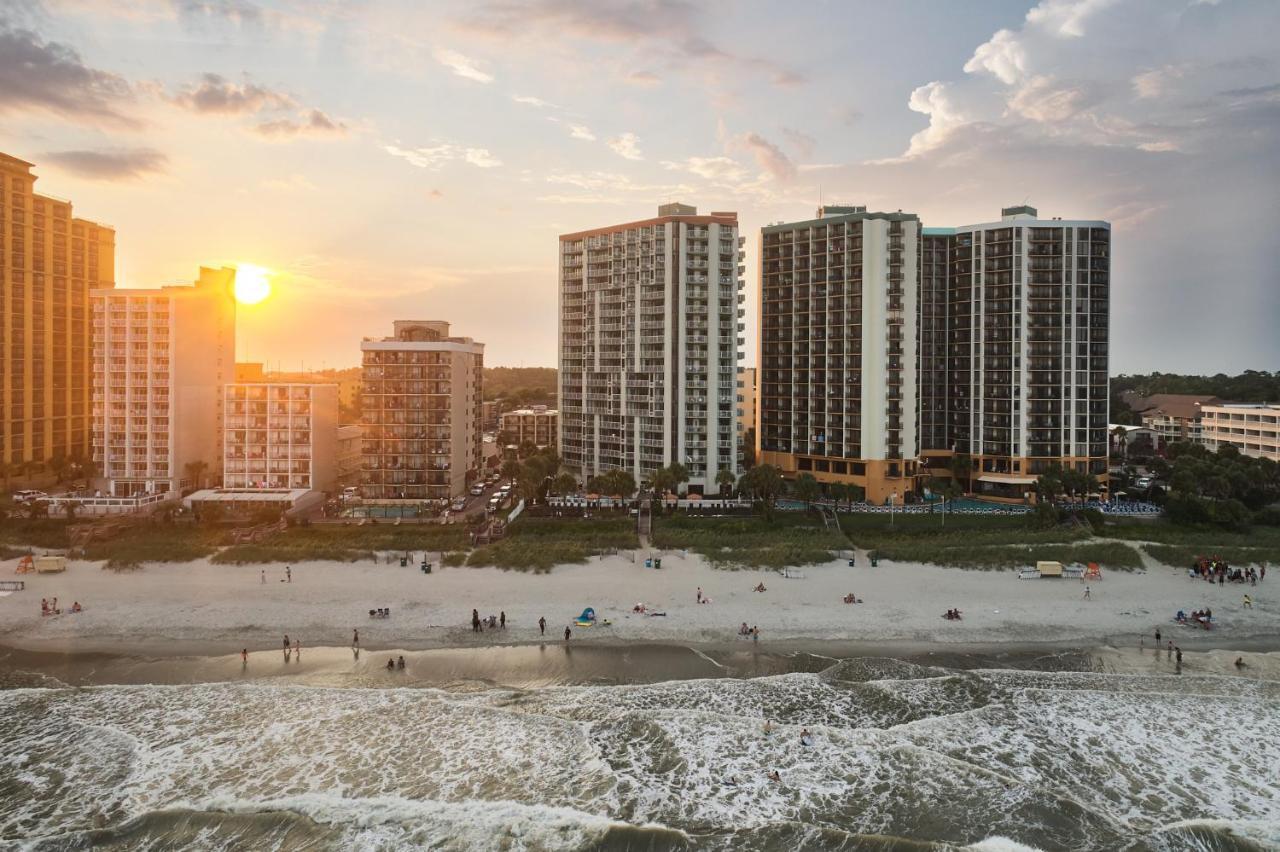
[202, 608]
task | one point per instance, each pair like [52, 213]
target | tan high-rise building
[161, 359]
[49, 261]
[746, 401]
[280, 436]
[421, 413]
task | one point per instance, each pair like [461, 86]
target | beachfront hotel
[280, 435]
[537, 425]
[161, 358]
[650, 318]
[49, 262]
[1252, 428]
[888, 348]
[838, 325]
[421, 414]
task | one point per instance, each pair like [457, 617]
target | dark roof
[1182, 405]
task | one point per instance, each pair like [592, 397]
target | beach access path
[203, 608]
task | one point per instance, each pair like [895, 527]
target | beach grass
[42, 532]
[751, 542]
[1184, 556]
[874, 532]
[1206, 538]
[345, 543]
[156, 543]
[1109, 555]
[539, 544]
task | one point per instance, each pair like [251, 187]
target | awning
[1007, 478]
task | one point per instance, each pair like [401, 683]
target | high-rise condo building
[746, 400]
[421, 393]
[49, 261]
[161, 358]
[839, 320]
[650, 318]
[280, 435]
[1028, 315]
[887, 349]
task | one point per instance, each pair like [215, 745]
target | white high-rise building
[160, 360]
[650, 324]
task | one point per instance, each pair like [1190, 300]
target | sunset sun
[253, 284]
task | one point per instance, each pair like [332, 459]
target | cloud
[312, 123]
[216, 94]
[48, 76]
[116, 164]
[669, 28]
[581, 131]
[711, 168]
[462, 66]
[436, 156]
[237, 12]
[627, 145]
[643, 78]
[768, 156]
[529, 100]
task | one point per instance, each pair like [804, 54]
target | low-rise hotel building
[536, 425]
[280, 436]
[1252, 428]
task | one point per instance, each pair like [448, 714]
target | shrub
[1269, 517]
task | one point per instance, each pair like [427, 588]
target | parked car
[494, 503]
[477, 490]
[459, 504]
[28, 496]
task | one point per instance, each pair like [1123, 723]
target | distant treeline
[1249, 386]
[521, 385]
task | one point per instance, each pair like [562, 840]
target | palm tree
[510, 469]
[725, 479]
[195, 471]
[763, 483]
[564, 484]
[807, 489]
[662, 481]
[70, 508]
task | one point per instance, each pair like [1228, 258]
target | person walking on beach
[502, 619]
[1086, 594]
[755, 634]
[297, 649]
[567, 633]
[1170, 647]
[475, 621]
[1178, 651]
[699, 594]
[244, 657]
[1248, 602]
[264, 576]
[355, 638]
[288, 574]
[542, 626]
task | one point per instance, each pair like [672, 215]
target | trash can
[657, 563]
[874, 559]
[851, 563]
[426, 567]
[404, 560]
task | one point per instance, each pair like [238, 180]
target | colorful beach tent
[587, 618]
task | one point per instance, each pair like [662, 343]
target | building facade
[746, 400]
[887, 349]
[537, 425]
[280, 436]
[350, 446]
[1252, 428]
[49, 262]
[838, 325]
[1173, 416]
[421, 393]
[650, 318]
[161, 358]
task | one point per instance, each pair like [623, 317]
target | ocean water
[904, 756]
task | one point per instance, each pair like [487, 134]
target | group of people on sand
[753, 632]
[292, 650]
[1200, 617]
[952, 615]
[851, 598]
[1214, 568]
[50, 607]
[493, 622]
[398, 663]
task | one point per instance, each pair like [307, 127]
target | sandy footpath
[201, 608]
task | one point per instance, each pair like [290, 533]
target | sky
[396, 159]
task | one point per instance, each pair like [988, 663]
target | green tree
[961, 467]
[1049, 483]
[614, 483]
[70, 507]
[807, 489]
[511, 469]
[726, 480]
[526, 449]
[764, 483]
[564, 484]
[195, 471]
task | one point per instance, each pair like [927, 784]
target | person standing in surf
[567, 633]
[542, 626]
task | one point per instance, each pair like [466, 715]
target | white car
[477, 490]
[459, 504]
[28, 496]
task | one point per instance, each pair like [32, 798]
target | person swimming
[1240, 663]
[391, 664]
[806, 738]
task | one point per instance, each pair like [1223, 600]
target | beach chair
[1094, 572]
[792, 574]
[1028, 574]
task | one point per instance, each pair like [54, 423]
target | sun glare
[253, 284]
